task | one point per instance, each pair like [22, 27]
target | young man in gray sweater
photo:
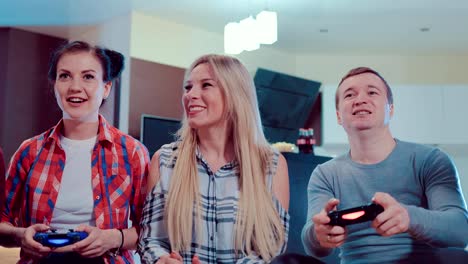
[417, 186]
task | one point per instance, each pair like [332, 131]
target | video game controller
[61, 239]
[355, 215]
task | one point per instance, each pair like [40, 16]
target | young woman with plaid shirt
[81, 174]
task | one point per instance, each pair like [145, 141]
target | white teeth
[363, 112]
[75, 100]
[196, 108]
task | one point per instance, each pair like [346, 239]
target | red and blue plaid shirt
[119, 168]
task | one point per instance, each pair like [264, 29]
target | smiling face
[363, 103]
[79, 86]
[203, 99]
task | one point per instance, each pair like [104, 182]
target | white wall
[396, 69]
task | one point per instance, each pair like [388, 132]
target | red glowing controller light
[352, 216]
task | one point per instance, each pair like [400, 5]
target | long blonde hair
[258, 225]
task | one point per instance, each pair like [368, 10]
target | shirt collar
[227, 166]
[104, 131]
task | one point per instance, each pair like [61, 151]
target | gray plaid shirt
[219, 198]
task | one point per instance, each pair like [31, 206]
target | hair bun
[116, 63]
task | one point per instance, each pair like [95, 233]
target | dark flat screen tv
[157, 131]
[285, 102]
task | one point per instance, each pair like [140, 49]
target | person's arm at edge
[281, 183]
[154, 174]
[10, 235]
[2, 179]
[314, 206]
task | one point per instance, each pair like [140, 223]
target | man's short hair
[361, 70]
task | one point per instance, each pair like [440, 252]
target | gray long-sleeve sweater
[422, 178]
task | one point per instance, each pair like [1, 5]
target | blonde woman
[221, 193]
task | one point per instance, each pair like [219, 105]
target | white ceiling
[354, 26]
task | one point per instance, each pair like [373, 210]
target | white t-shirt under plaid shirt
[219, 193]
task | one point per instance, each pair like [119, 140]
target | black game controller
[355, 215]
[61, 239]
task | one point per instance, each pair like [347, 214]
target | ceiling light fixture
[232, 38]
[249, 33]
[267, 27]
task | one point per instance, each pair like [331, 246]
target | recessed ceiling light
[323, 30]
[425, 29]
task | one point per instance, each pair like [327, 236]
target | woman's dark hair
[112, 62]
